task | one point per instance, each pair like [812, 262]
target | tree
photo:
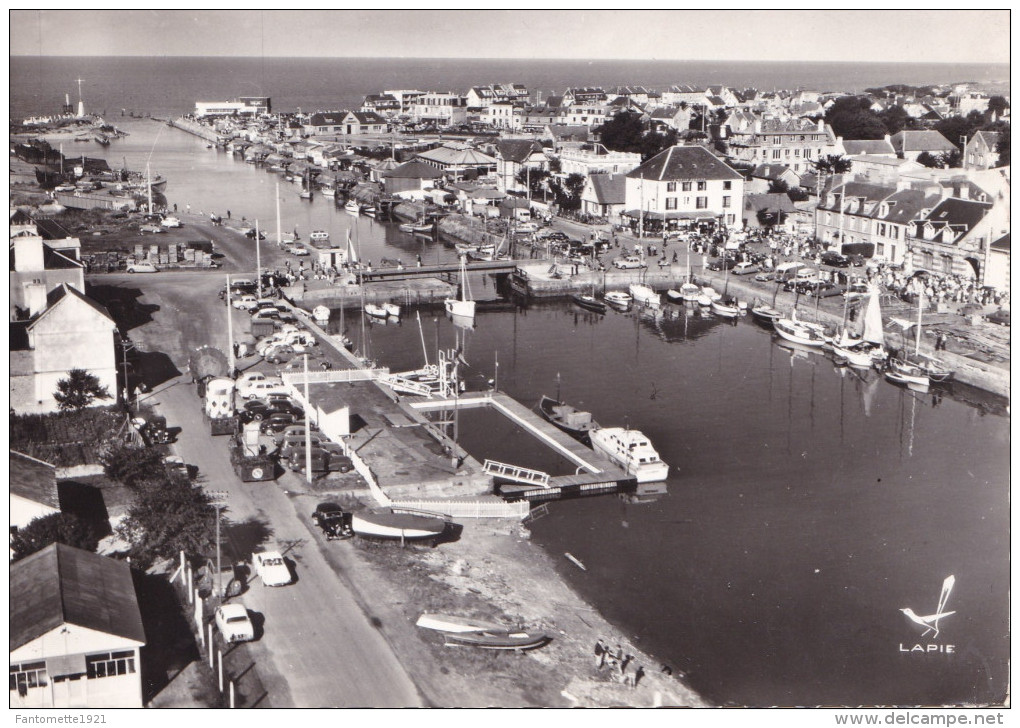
[79, 390]
[167, 517]
[930, 160]
[129, 464]
[65, 528]
[896, 119]
[997, 105]
[1002, 147]
[851, 117]
[779, 185]
[625, 132]
[825, 166]
[958, 128]
[535, 177]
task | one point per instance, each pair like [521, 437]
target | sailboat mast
[917, 338]
[279, 233]
[421, 333]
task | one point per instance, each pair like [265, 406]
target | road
[318, 649]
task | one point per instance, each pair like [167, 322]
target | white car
[246, 302]
[233, 623]
[151, 229]
[270, 567]
[142, 268]
[265, 314]
[248, 379]
[171, 222]
[298, 250]
[629, 261]
[264, 389]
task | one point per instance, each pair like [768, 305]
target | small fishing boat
[765, 314]
[574, 422]
[618, 298]
[390, 523]
[344, 340]
[690, 292]
[328, 190]
[497, 640]
[463, 308]
[405, 227]
[353, 207]
[630, 450]
[466, 248]
[369, 211]
[455, 624]
[319, 236]
[726, 307]
[392, 309]
[305, 194]
[320, 314]
[644, 295]
[710, 293]
[375, 310]
[903, 372]
[674, 296]
[800, 332]
[589, 302]
[423, 228]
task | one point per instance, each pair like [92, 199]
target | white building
[444, 108]
[597, 161]
[243, 106]
[75, 632]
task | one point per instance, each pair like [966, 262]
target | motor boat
[630, 450]
[726, 307]
[320, 314]
[801, 332]
[392, 309]
[644, 294]
[618, 298]
[352, 207]
[574, 422]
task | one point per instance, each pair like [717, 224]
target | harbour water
[806, 506]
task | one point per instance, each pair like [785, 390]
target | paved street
[318, 649]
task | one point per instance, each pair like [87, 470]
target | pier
[594, 474]
[448, 270]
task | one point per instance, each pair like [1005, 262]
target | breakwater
[193, 127]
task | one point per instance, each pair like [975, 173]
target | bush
[168, 516]
[129, 464]
[66, 438]
[65, 528]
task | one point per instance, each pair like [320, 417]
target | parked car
[171, 222]
[1000, 317]
[276, 421]
[245, 302]
[250, 234]
[289, 442]
[745, 269]
[151, 229]
[271, 568]
[233, 623]
[330, 517]
[765, 276]
[838, 260]
[279, 354]
[722, 263]
[264, 314]
[142, 268]
[298, 250]
[629, 261]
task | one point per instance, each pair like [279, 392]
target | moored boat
[463, 308]
[617, 298]
[726, 307]
[574, 422]
[903, 372]
[765, 313]
[352, 207]
[644, 295]
[318, 236]
[690, 292]
[800, 332]
[392, 309]
[674, 296]
[630, 450]
[320, 314]
[390, 523]
[589, 302]
[375, 310]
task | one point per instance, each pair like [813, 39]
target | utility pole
[258, 259]
[230, 332]
[308, 427]
[641, 210]
[218, 500]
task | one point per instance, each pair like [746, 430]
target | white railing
[334, 375]
[489, 508]
[408, 386]
[516, 473]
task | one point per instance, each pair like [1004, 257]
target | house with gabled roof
[953, 237]
[458, 161]
[363, 122]
[410, 178]
[683, 184]
[514, 155]
[768, 210]
[33, 489]
[980, 152]
[567, 136]
[76, 631]
[910, 144]
[794, 143]
[36, 268]
[673, 117]
[382, 104]
[69, 331]
[324, 123]
[765, 175]
[874, 147]
[605, 195]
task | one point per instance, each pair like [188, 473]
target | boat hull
[456, 307]
[725, 310]
[454, 624]
[497, 641]
[643, 472]
[547, 407]
[796, 333]
[589, 303]
[389, 525]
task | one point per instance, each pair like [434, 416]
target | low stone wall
[456, 226]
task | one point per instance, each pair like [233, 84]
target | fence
[473, 508]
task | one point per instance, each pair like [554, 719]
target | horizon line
[525, 59]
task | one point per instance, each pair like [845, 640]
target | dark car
[277, 422]
[259, 409]
[838, 260]
[333, 521]
[1000, 317]
[251, 234]
[722, 263]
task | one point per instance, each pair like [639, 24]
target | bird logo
[931, 622]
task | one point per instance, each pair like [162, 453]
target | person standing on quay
[600, 654]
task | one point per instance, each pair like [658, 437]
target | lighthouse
[81, 104]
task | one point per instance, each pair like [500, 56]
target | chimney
[34, 296]
[821, 125]
[28, 254]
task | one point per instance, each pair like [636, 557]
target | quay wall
[415, 293]
[457, 227]
[193, 127]
[408, 211]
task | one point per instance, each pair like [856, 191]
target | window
[702, 203]
[727, 185]
[685, 186]
[927, 260]
[109, 664]
[726, 201]
[895, 232]
[28, 675]
[777, 153]
[670, 203]
[702, 186]
[730, 219]
[880, 248]
[671, 187]
[947, 264]
[796, 152]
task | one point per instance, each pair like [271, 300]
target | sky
[920, 36]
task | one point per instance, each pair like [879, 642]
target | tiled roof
[569, 132]
[958, 213]
[517, 150]
[368, 117]
[906, 205]
[772, 171]
[773, 201]
[682, 163]
[921, 141]
[64, 585]
[867, 146]
[1001, 244]
[447, 155]
[610, 189]
[414, 170]
[33, 479]
[63, 291]
[326, 118]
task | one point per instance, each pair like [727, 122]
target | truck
[210, 371]
[251, 459]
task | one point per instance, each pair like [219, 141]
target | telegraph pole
[218, 500]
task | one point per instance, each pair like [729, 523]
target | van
[805, 275]
[787, 271]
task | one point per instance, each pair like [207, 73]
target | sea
[163, 86]
[807, 505]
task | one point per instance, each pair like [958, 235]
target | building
[675, 117]
[364, 122]
[687, 184]
[954, 237]
[325, 123]
[997, 271]
[870, 147]
[769, 210]
[33, 490]
[882, 169]
[458, 161]
[564, 136]
[765, 175]
[440, 108]
[794, 143]
[65, 330]
[605, 195]
[410, 178]
[980, 152]
[912, 144]
[382, 104]
[598, 160]
[36, 268]
[242, 106]
[407, 98]
[75, 631]
[506, 114]
[514, 155]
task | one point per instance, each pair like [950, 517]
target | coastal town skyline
[979, 36]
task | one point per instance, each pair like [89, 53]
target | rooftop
[680, 162]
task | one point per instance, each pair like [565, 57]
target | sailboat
[726, 305]
[463, 306]
[352, 207]
[765, 313]
[800, 332]
[912, 368]
[868, 349]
